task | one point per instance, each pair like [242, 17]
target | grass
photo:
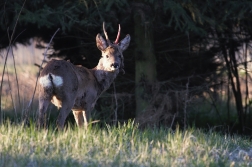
[125, 145]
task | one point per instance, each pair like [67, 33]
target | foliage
[125, 145]
[187, 36]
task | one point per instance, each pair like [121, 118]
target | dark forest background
[188, 62]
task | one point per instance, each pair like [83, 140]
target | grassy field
[125, 145]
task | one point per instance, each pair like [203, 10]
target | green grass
[125, 145]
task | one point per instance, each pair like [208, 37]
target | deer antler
[118, 35]
[105, 33]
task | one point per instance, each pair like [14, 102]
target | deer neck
[104, 77]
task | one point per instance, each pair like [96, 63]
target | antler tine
[118, 35]
[105, 32]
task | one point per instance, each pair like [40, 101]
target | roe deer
[77, 88]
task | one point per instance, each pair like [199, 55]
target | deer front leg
[86, 118]
[78, 117]
[81, 118]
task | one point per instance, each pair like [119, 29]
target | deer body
[77, 88]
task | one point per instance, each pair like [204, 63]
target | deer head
[112, 58]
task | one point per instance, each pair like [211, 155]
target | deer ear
[100, 42]
[124, 43]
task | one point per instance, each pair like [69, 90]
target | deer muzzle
[115, 65]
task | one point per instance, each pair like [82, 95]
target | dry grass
[25, 57]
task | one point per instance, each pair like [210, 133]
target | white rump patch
[57, 80]
[46, 82]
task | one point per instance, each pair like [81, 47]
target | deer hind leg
[64, 112]
[45, 96]
[67, 102]
[78, 117]
[43, 105]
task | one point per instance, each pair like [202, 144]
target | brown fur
[81, 86]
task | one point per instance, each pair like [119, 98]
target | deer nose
[115, 65]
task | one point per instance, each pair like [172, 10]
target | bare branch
[8, 50]
[116, 104]
[187, 100]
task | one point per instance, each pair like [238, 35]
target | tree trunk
[233, 76]
[145, 63]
